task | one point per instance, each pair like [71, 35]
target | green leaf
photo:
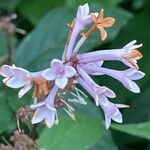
[45, 42]
[68, 134]
[2, 44]
[34, 14]
[9, 104]
[48, 39]
[7, 119]
[105, 143]
[39, 10]
[142, 103]
[79, 2]
[139, 129]
[9, 4]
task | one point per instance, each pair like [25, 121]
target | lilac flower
[82, 19]
[128, 55]
[111, 110]
[78, 68]
[59, 72]
[131, 55]
[98, 92]
[45, 110]
[126, 77]
[16, 78]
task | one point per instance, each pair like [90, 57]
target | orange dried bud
[132, 57]
[41, 87]
[135, 54]
[101, 23]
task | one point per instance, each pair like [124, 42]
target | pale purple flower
[97, 92]
[128, 55]
[111, 110]
[82, 19]
[16, 77]
[126, 77]
[78, 68]
[59, 72]
[46, 110]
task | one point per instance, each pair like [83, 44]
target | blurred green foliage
[47, 22]
[72, 135]
[42, 41]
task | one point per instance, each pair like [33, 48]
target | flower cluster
[51, 84]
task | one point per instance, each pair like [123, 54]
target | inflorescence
[52, 85]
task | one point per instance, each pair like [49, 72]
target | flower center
[60, 72]
[74, 61]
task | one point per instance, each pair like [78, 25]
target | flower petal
[79, 13]
[50, 119]
[6, 71]
[19, 71]
[108, 22]
[56, 63]
[129, 44]
[94, 16]
[39, 115]
[136, 75]
[107, 121]
[24, 90]
[100, 16]
[35, 106]
[82, 12]
[103, 33]
[131, 85]
[117, 117]
[16, 82]
[61, 82]
[5, 80]
[109, 93]
[49, 74]
[86, 9]
[103, 101]
[69, 71]
[50, 107]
